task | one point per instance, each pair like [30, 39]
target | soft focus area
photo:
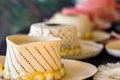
[60, 39]
[17, 15]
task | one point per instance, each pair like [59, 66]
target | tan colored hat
[28, 55]
[77, 71]
[83, 24]
[67, 33]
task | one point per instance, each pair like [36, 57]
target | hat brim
[88, 49]
[78, 70]
[100, 36]
[74, 70]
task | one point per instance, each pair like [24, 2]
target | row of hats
[40, 48]
[73, 47]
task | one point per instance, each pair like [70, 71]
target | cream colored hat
[72, 48]
[83, 24]
[28, 55]
[77, 71]
[67, 33]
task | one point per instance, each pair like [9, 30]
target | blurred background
[17, 15]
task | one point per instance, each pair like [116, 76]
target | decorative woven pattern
[82, 23]
[66, 32]
[29, 54]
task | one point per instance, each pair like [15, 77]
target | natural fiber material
[109, 71]
[88, 49]
[77, 71]
[28, 54]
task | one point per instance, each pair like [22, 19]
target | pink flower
[101, 8]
